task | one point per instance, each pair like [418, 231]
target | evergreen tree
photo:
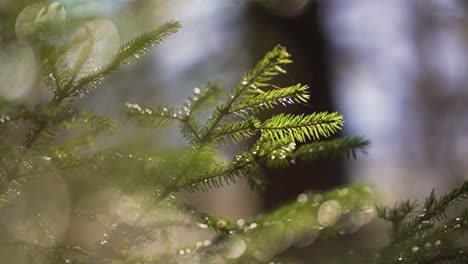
[60, 138]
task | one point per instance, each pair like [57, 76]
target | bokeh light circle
[329, 213]
[233, 248]
[105, 40]
[40, 215]
[18, 70]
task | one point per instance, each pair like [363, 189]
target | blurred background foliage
[395, 69]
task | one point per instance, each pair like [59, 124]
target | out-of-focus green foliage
[65, 199]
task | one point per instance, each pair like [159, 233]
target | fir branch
[455, 226]
[256, 178]
[440, 251]
[263, 72]
[236, 131]
[190, 126]
[397, 215]
[153, 116]
[47, 118]
[65, 156]
[91, 124]
[43, 130]
[203, 98]
[73, 152]
[420, 238]
[15, 111]
[279, 155]
[42, 138]
[191, 129]
[54, 70]
[342, 147]
[204, 157]
[68, 161]
[142, 43]
[286, 127]
[248, 164]
[243, 165]
[434, 207]
[132, 49]
[256, 102]
[225, 176]
[83, 56]
[11, 190]
[33, 133]
[434, 210]
[215, 178]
